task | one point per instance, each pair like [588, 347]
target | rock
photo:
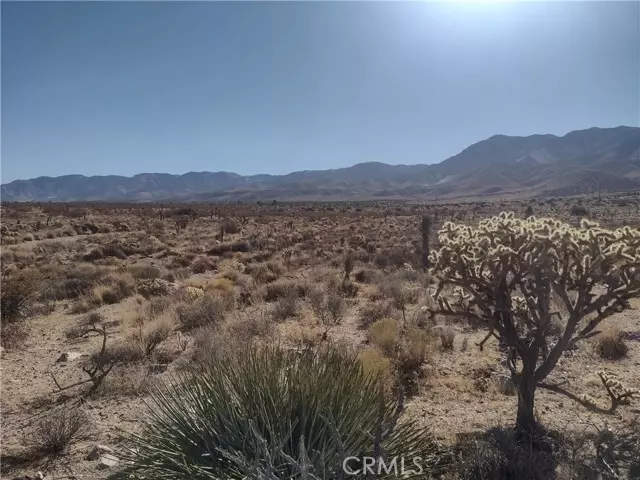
[68, 357]
[107, 461]
[97, 451]
[2, 351]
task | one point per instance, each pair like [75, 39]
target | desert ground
[162, 286]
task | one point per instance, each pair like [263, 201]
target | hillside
[583, 161]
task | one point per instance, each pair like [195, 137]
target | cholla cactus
[194, 293]
[618, 392]
[506, 271]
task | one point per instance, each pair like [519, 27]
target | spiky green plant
[272, 413]
[507, 273]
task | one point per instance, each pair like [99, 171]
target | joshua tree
[426, 233]
[508, 273]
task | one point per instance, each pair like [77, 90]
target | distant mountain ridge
[582, 161]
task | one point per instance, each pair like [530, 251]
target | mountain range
[582, 161]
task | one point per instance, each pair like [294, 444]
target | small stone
[97, 451]
[2, 351]
[107, 461]
[68, 357]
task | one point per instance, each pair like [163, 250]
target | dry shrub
[55, 432]
[579, 211]
[286, 306]
[374, 311]
[262, 273]
[209, 343]
[384, 335]
[86, 303]
[74, 282]
[610, 344]
[127, 381]
[498, 455]
[114, 250]
[414, 351]
[229, 248]
[202, 265]
[207, 310]
[399, 292]
[327, 305]
[367, 275]
[81, 327]
[224, 289]
[283, 288]
[447, 336]
[125, 353]
[349, 288]
[376, 365]
[19, 291]
[119, 286]
[230, 226]
[250, 327]
[395, 256]
[144, 271]
[149, 336]
[158, 305]
[373, 293]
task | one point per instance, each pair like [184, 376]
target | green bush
[274, 413]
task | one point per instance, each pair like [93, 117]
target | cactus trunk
[526, 420]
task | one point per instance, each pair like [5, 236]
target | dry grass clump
[88, 322]
[384, 335]
[230, 226]
[144, 270]
[447, 337]
[210, 343]
[286, 306]
[127, 381]
[203, 264]
[373, 311]
[265, 272]
[117, 287]
[207, 310]
[610, 344]
[367, 276]
[283, 288]
[20, 290]
[250, 327]
[72, 283]
[408, 349]
[55, 432]
[414, 351]
[149, 336]
[222, 288]
[328, 305]
[226, 248]
[377, 365]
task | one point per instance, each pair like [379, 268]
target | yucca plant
[272, 413]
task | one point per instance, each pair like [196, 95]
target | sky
[100, 88]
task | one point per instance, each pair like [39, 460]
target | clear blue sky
[122, 88]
